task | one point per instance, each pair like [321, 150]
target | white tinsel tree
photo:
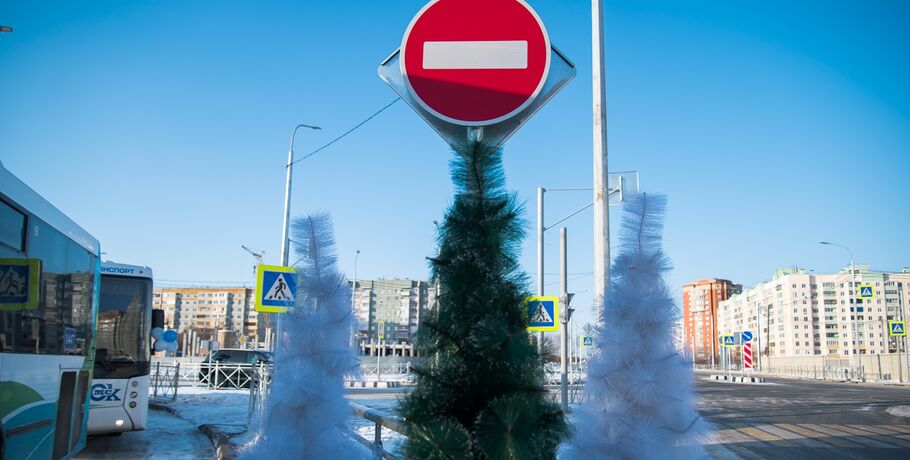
[639, 401]
[306, 410]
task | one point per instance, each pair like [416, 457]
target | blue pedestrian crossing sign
[747, 336]
[276, 288]
[543, 313]
[587, 341]
[866, 292]
[727, 340]
[897, 328]
[20, 284]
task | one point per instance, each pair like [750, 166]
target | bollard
[377, 441]
[176, 381]
[157, 374]
[252, 401]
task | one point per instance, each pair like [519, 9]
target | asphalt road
[801, 419]
[167, 437]
[781, 419]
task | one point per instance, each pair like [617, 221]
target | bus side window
[12, 227]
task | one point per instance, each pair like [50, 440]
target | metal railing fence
[380, 419]
[164, 382]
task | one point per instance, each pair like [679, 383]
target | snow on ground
[230, 407]
[899, 411]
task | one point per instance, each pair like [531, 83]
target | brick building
[700, 328]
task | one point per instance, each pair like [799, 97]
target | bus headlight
[134, 383]
[133, 395]
[132, 404]
[118, 423]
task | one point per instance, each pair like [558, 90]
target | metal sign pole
[540, 234]
[900, 301]
[757, 356]
[285, 238]
[563, 332]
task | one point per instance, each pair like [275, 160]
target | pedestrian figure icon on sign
[541, 315]
[279, 290]
[897, 328]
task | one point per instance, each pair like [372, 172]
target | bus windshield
[123, 327]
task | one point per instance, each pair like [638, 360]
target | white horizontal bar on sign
[504, 54]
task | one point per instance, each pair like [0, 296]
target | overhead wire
[358, 125]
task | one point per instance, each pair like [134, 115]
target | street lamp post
[353, 292]
[853, 305]
[768, 335]
[758, 341]
[285, 241]
[285, 238]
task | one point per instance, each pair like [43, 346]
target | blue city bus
[49, 288]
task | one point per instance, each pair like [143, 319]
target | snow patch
[899, 411]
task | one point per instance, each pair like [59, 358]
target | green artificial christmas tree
[480, 392]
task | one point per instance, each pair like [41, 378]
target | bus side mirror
[157, 318]
[157, 321]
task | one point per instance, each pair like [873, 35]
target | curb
[217, 434]
[225, 449]
[363, 384]
[164, 408]
[737, 379]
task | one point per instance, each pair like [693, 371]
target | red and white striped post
[747, 356]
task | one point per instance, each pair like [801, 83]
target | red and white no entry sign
[475, 62]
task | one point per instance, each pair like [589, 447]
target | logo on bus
[104, 392]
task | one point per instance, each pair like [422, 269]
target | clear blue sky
[163, 127]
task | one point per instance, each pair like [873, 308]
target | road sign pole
[854, 305]
[564, 333]
[900, 369]
[757, 335]
[713, 340]
[855, 314]
[540, 232]
[285, 238]
[900, 299]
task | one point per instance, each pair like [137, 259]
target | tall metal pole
[758, 341]
[900, 302]
[540, 231]
[713, 340]
[285, 242]
[601, 196]
[768, 336]
[353, 294]
[563, 331]
[854, 306]
[855, 313]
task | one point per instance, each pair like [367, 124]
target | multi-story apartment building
[700, 301]
[398, 304]
[209, 310]
[800, 313]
